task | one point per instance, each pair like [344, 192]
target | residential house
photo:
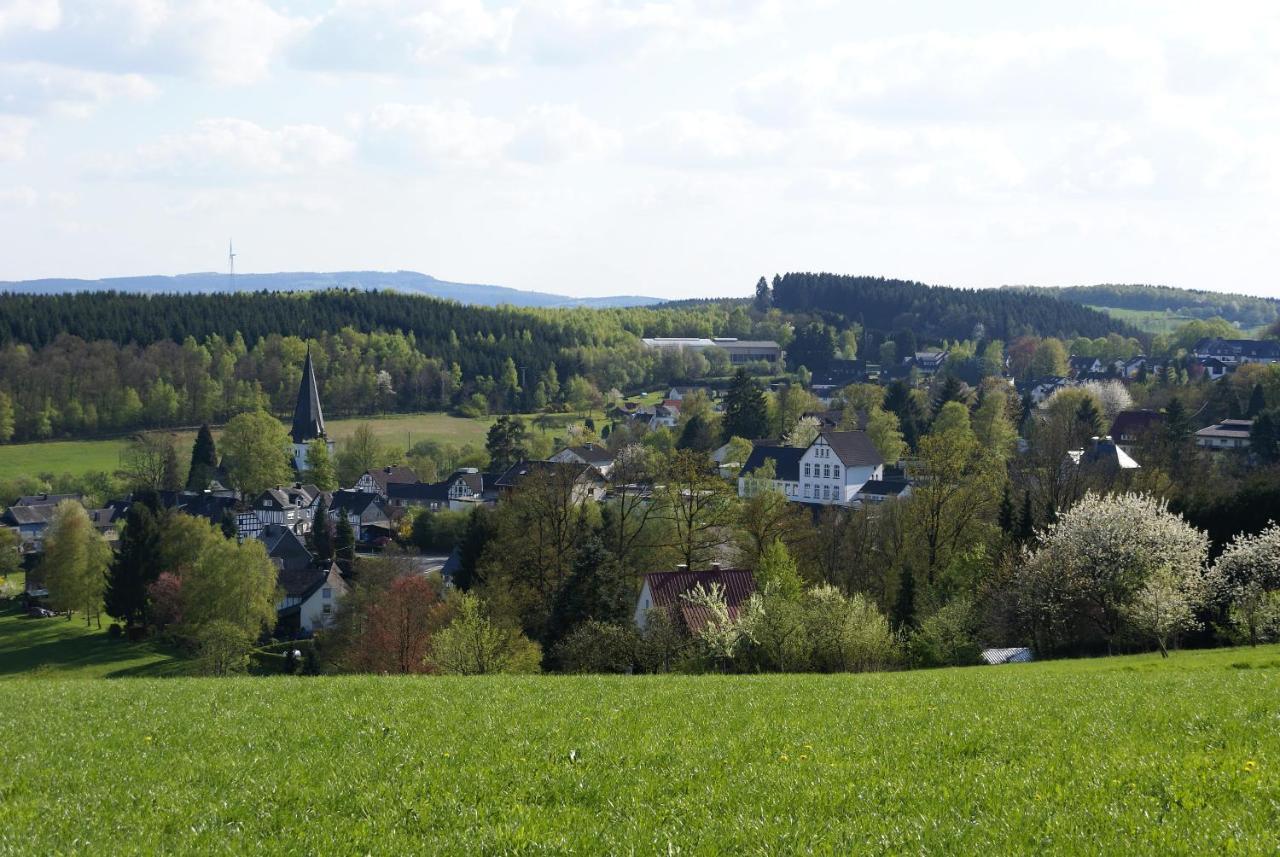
[877, 491]
[588, 484]
[433, 496]
[310, 599]
[1131, 428]
[665, 415]
[1041, 389]
[47, 499]
[31, 520]
[462, 490]
[1225, 435]
[366, 512]
[376, 481]
[290, 507]
[1082, 366]
[1103, 455]
[1212, 368]
[1235, 352]
[679, 394]
[929, 362]
[665, 590]
[286, 548]
[599, 457]
[830, 471]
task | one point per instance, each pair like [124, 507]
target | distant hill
[1158, 308]
[409, 282]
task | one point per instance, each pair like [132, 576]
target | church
[308, 419]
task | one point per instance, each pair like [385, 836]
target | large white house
[830, 471]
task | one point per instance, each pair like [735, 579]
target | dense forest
[1247, 311]
[940, 312]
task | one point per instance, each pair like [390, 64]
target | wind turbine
[231, 262]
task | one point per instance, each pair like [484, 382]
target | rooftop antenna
[231, 263]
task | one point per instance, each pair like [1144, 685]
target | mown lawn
[68, 649]
[1125, 755]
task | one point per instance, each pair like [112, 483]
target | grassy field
[67, 649]
[1152, 321]
[1132, 755]
[403, 430]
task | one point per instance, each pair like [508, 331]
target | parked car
[37, 612]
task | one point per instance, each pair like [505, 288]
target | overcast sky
[671, 148]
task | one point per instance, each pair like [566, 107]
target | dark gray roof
[513, 474]
[418, 491]
[883, 487]
[285, 545]
[786, 461]
[308, 420]
[593, 453]
[1258, 348]
[46, 499]
[366, 504]
[853, 448]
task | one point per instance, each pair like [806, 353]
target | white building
[831, 471]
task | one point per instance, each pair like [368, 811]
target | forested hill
[940, 312]
[1247, 311]
[409, 282]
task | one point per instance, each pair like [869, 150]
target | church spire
[308, 420]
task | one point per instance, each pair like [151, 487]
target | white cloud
[229, 41]
[706, 138]
[18, 15]
[14, 131]
[397, 36]
[22, 196]
[36, 87]
[234, 149]
[450, 134]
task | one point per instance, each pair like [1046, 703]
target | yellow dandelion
[147, 738]
[803, 757]
[782, 757]
[1250, 766]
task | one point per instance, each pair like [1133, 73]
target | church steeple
[308, 420]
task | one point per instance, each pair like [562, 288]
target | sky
[675, 148]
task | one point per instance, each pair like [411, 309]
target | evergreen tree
[320, 539]
[904, 607]
[952, 391]
[1177, 425]
[1089, 418]
[344, 545]
[1264, 437]
[204, 460]
[136, 565]
[481, 529]
[170, 480]
[596, 589]
[911, 418]
[697, 434]
[764, 299]
[228, 525]
[506, 442]
[1257, 401]
[746, 413]
[1027, 520]
[1006, 515]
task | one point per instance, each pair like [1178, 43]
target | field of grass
[58, 648]
[1123, 755]
[402, 430]
[1151, 321]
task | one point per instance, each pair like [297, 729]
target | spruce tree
[321, 537]
[204, 460]
[1257, 401]
[952, 391]
[344, 545]
[904, 608]
[169, 477]
[746, 413]
[1027, 520]
[136, 564]
[1006, 511]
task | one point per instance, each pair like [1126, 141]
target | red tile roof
[666, 587]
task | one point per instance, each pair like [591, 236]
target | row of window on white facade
[829, 471]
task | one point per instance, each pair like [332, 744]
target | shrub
[847, 634]
[948, 637]
[114, 631]
[222, 648]
[598, 647]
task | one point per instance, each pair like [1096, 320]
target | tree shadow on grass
[58, 648]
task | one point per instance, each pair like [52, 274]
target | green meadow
[402, 430]
[1134, 755]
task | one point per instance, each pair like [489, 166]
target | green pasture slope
[1124, 755]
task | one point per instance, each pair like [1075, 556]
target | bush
[114, 631]
[598, 647]
[948, 638]
[847, 634]
[222, 648]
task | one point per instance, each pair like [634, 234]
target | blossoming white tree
[1113, 397]
[1246, 579]
[1121, 561]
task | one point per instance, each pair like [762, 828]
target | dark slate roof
[593, 453]
[786, 461]
[46, 499]
[285, 545]
[513, 474]
[359, 503]
[1256, 348]
[302, 583]
[28, 515]
[308, 420]
[418, 491]
[883, 487]
[477, 482]
[1136, 422]
[853, 448]
[666, 587]
[396, 474]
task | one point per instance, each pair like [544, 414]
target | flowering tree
[1246, 579]
[722, 634]
[1113, 397]
[1116, 561]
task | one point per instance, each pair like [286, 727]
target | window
[835, 471]
[806, 489]
[326, 593]
[826, 492]
[826, 471]
[327, 609]
[806, 469]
